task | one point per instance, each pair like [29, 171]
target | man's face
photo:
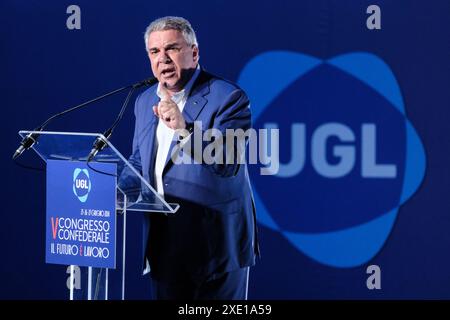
[173, 61]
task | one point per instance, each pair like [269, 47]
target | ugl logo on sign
[81, 184]
[349, 157]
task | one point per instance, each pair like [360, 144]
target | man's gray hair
[172, 23]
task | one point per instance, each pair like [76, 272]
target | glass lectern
[133, 194]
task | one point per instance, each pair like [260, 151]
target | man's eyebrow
[169, 45]
[172, 44]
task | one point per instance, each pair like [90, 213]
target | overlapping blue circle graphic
[342, 220]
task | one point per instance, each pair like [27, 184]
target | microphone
[99, 145]
[147, 82]
[29, 140]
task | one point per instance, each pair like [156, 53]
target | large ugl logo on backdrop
[349, 157]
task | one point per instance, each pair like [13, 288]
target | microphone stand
[29, 140]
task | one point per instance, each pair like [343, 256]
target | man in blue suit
[205, 249]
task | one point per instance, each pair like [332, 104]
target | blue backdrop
[363, 118]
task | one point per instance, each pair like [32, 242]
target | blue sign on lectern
[81, 219]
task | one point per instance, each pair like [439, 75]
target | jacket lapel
[152, 148]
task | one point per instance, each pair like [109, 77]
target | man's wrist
[187, 131]
[189, 127]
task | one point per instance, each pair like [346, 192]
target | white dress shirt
[165, 135]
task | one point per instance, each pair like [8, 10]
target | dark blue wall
[318, 235]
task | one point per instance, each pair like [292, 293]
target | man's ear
[195, 53]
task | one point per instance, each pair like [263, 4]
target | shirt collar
[177, 97]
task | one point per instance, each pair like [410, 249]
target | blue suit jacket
[214, 230]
